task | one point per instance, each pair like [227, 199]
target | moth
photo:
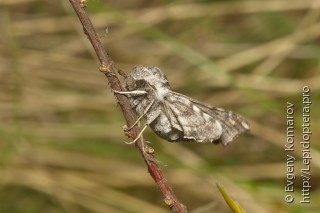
[176, 117]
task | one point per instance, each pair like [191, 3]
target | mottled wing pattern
[195, 124]
[202, 122]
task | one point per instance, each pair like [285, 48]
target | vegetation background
[61, 141]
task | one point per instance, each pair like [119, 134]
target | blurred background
[61, 141]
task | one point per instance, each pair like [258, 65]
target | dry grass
[61, 142]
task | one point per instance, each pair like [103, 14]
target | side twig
[109, 69]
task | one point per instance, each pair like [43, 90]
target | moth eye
[140, 83]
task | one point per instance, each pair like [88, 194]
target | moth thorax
[162, 92]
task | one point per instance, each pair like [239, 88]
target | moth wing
[187, 117]
[231, 123]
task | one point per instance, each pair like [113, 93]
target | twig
[109, 69]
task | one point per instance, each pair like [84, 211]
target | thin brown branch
[109, 69]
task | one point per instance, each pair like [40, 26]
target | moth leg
[140, 134]
[141, 116]
[133, 93]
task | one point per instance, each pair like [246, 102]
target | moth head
[132, 83]
[142, 77]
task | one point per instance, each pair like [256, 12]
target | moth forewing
[196, 124]
[232, 123]
[171, 116]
